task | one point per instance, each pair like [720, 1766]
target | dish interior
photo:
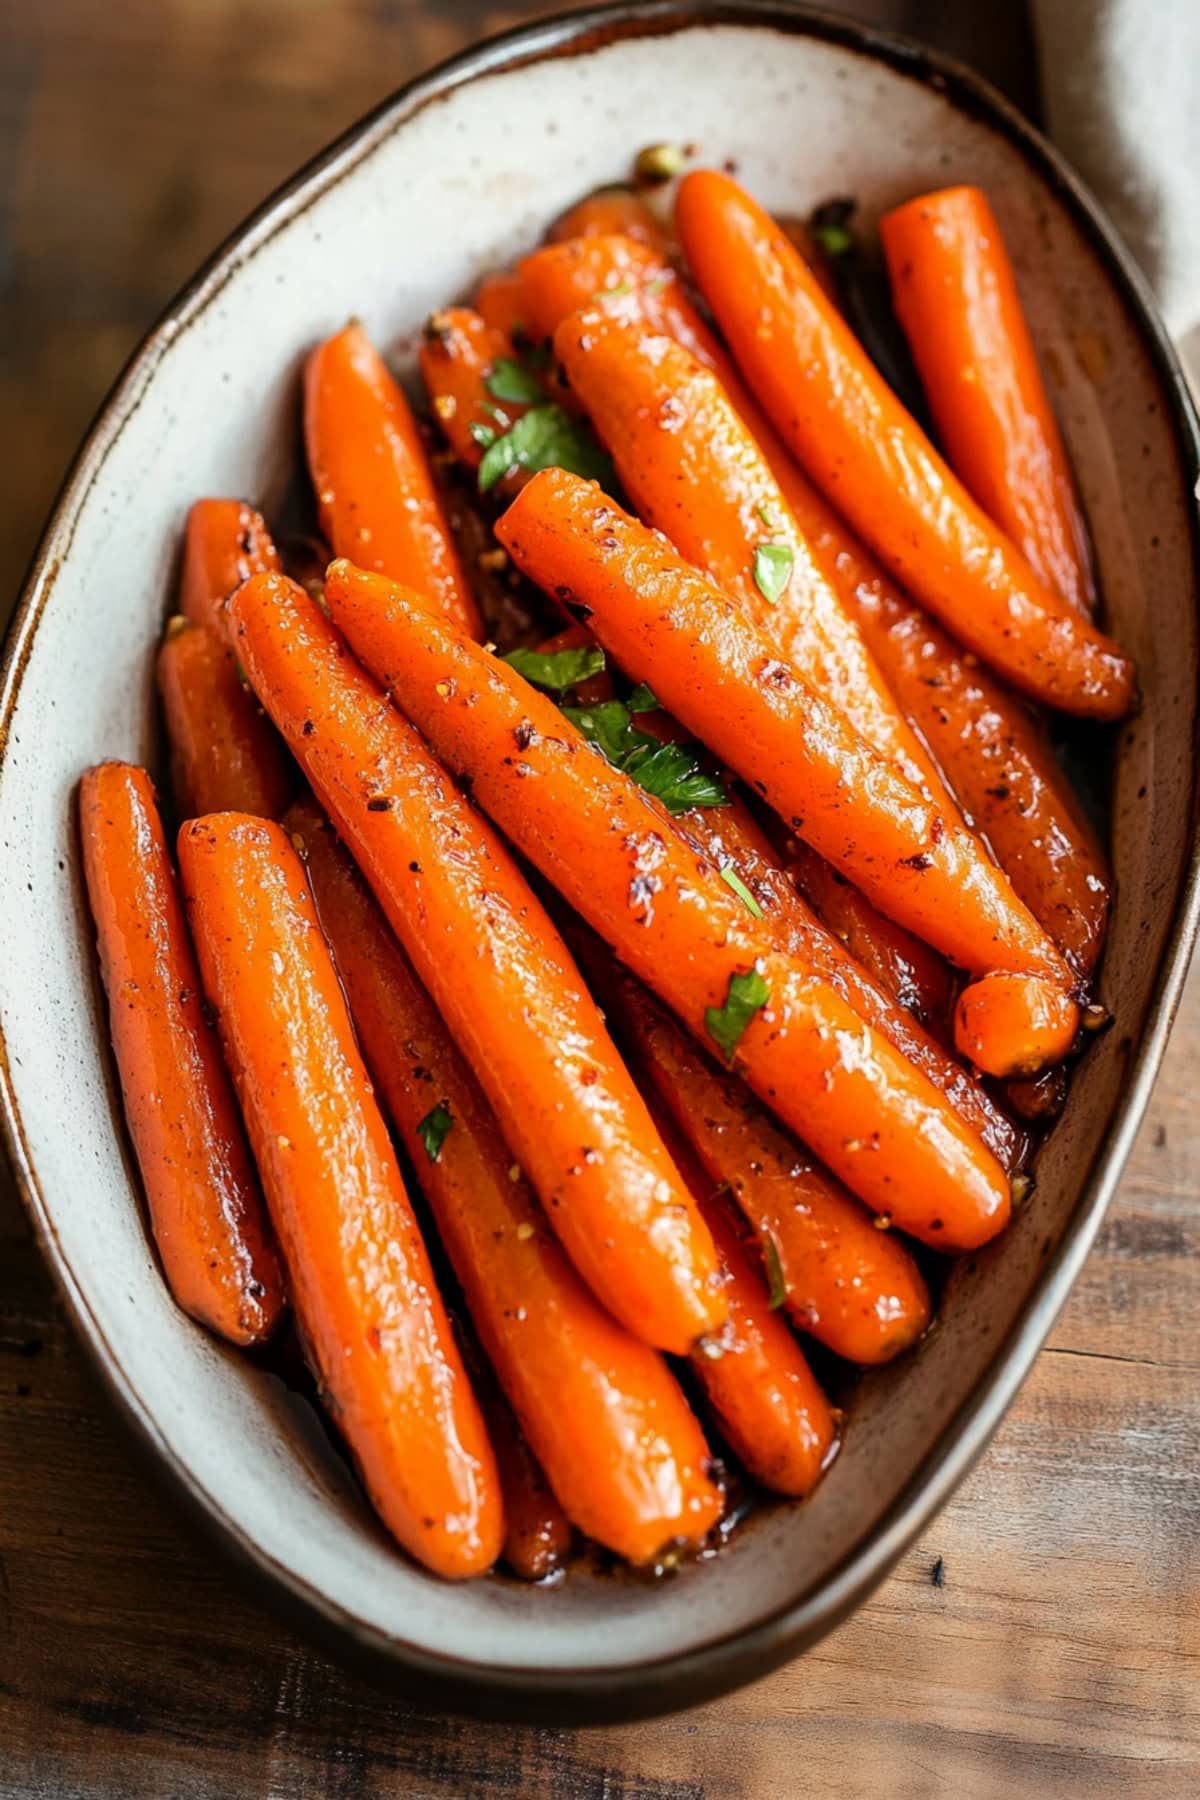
[421, 207]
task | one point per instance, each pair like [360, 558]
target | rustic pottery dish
[448, 178]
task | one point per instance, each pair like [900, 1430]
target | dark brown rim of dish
[649, 1687]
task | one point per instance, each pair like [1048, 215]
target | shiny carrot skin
[205, 1208]
[854, 1288]
[458, 353]
[955, 294]
[730, 836]
[871, 458]
[620, 861]
[483, 945]
[224, 543]
[693, 471]
[500, 302]
[894, 959]
[375, 493]
[225, 754]
[615, 273]
[601, 1411]
[994, 754]
[665, 622]
[369, 1311]
[1036, 1024]
[767, 1401]
[609, 211]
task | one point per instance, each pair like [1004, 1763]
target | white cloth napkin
[1121, 88]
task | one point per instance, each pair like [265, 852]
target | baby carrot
[205, 1209]
[459, 354]
[984, 737]
[537, 1532]
[665, 622]
[375, 492]
[955, 294]
[617, 857]
[369, 1312]
[868, 454]
[501, 975]
[608, 211]
[767, 1401]
[600, 1409]
[694, 472]
[224, 542]
[225, 754]
[1037, 1024]
[853, 1287]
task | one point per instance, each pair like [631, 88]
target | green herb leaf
[774, 1268]
[483, 434]
[433, 1128]
[557, 670]
[746, 995]
[642, 699]
[731, 878]
[773, 569]
[671, 772]
[764, 513]
[546, 437]
[507, 380]
[829, 228]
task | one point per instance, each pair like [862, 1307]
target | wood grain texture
[1060, 1655]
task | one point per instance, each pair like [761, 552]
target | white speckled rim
[656, 1685]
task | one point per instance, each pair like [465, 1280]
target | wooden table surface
[1059, 1654]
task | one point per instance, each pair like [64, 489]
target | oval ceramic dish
[454, 175]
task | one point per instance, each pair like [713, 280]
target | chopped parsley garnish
[671, 772]
[483, 434]
[433, 1130]
[773, 569]
[829, 228]
[731, 878]
[557, 670]
[745, 996]
[642, 699]
[764, 513]
[774, 1267]
[546, 437]
[507, 380]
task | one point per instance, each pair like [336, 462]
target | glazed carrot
[693, 471]
[600, 1410]
[375, 493]
[1038, 1025]
[370, 1314]
[732, 838]
[499, 972]
[459, 354]
[609, 211]
[224, 542]
[995, 756]
[613, 272]
[955, 294]
[767, 1401]
[205, 1209]
[500, 303]
[894, 959]
[866, 452]
[225, 754]
[851, 1286]
[537, 1532]
[665, 622]
[618, 859]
